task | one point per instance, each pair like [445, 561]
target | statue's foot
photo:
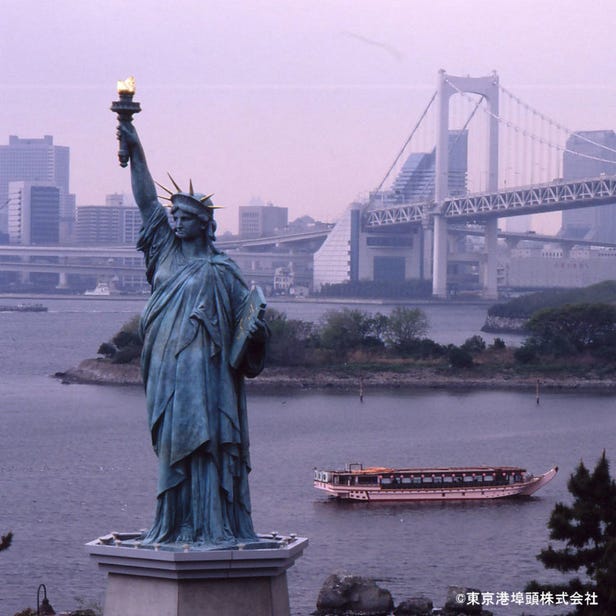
[185, 535]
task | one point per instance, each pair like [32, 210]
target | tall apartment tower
[592, 223]
[37, 160]
[33, 213]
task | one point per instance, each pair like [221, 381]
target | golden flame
[127, 86]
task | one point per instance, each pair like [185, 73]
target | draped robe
[195, 400]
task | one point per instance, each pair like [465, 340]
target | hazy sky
[301, 103]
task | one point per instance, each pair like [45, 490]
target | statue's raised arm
[144, 189]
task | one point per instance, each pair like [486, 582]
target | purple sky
[301, 103]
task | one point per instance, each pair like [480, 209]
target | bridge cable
[556, 124]
[452, 146]
[423, 115]
[534, 137]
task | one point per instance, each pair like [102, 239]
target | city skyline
[305, 107]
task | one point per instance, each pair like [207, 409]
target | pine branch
[5, 541]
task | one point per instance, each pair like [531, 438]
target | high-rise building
[415, 180]
[33, 213]
[598, 150]
[37, 160]
[258, 220]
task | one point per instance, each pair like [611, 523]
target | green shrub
[128, 334]
[459, 357]
[526, 354]
[474, 345]
[346, 330]
[291, 341]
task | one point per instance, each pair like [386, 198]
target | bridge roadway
[129, 251]
[126, 260]
[481, 207]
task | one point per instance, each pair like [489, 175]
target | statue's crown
[196, 203]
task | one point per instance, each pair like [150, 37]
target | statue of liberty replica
[203, 333]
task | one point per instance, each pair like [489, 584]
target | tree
[348, 330]
[290, 339]
[574, 328]
[474, 345]
[587, 528]
[459, 357]
[126, 344]
[404, 328]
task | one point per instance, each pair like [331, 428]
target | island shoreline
[276, 379]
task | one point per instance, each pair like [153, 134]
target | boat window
[386, 481]
[448, 479]
[468, 479]
[457, 479]
[416, 480]
[406, 480]
[488, 477]
[438, 480]
[426, 480]
[366, 479]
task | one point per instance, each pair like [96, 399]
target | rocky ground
[102, 371]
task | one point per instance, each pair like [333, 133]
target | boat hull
[378, 494]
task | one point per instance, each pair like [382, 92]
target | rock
[414, 606]
[102, 371]
[511, 325]
[353, 595]
[462, 600]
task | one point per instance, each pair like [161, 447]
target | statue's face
[187, 226]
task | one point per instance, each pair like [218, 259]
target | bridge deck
[550, 197]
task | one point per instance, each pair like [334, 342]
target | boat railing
[354, 466]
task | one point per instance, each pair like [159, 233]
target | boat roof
[371, 470]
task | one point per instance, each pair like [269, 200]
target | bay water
[76, 463]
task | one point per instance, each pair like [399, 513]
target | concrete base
[193, 581]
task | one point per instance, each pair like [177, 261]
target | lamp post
[43, 608]
[125, 107]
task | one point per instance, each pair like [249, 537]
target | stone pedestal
[192, 581]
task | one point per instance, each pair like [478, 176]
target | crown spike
[191, 190]
[165, 198]
[204, 199]
[164, 188]
[174, 182]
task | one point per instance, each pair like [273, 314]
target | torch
[125, 108]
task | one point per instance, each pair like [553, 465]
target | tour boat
[24, 308]
[101, 290]
[429, 484]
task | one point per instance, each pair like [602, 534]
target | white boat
[102, 288]
[429, 484]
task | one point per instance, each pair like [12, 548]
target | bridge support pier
[439, 272]
[489, 283]
[62, 281]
